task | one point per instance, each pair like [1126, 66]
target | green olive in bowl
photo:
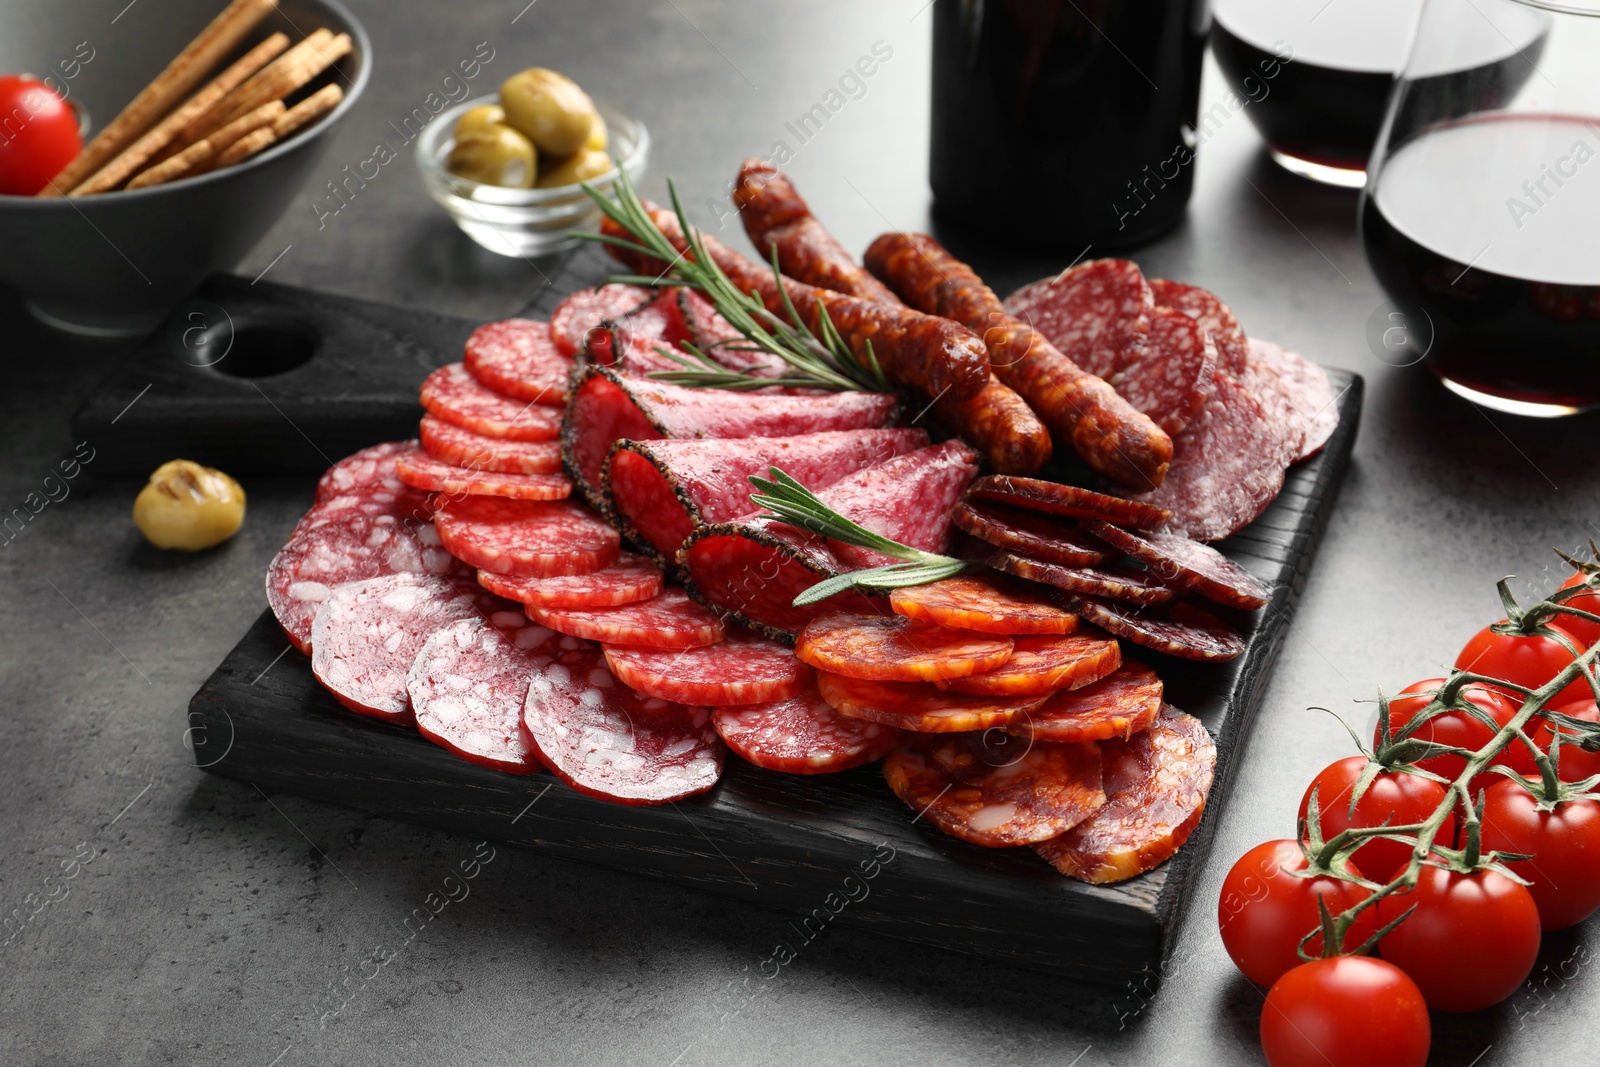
[495, 155]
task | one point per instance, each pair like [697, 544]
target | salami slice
[323, 556]
[1314, 400]
[670, 620]
[366, 633]
[463, 448]
[1227, 467]
[802, 734]
[1054, 498]
[1029, 534]
[605, 740]
[1156, 784]
[422, 471]
[518, 358]
[1044, 665]
[630, 579]
[586, 309]
[451, 393]
[530, 538]
[1211, 314]
[467, 685]
[1179, 629]
[1172, 374]
[366, 483]
[705, 327]
[662, 490]
[1118, 581]
[920, 706]
[369, 468]
[607, 406]
[1097, 313]
[996, 790]
[1117, 706]
[744, 669]
[897, 649]
[1187, 564]
[984, 602]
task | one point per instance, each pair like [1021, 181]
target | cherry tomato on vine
[1585, 631]
[1528, 661]
[1392, 796]
[1266, 908]
[1471, 942]
[1565, 845]
[1349, 1011]
[45, 141]
[1455, 728]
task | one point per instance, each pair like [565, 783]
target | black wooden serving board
[789, 841]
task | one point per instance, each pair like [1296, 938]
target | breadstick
[244, 147]
[134, 158]
[198, 160]
[173, 168]
[308, 110]
[179, 78]
[288, 73]
[222, 111]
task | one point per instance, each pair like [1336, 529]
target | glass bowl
[524, 222]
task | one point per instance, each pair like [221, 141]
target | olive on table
[582, 166]
[476, 118]
[189, 507]
[495, 155]
[549, 108]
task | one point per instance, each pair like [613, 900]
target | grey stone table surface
[207, 922]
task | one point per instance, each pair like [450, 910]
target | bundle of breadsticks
[173, 129]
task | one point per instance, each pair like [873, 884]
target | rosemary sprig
[788, 500]
[824, 361]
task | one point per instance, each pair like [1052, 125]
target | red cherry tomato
[1585, 631]
[1565, 845]
[1576, 764]
[1395, 797]
[38, 139]
[1470, 943]
[1529, 661]
[1348, 1011]
[1455, 728]
[1266, 908]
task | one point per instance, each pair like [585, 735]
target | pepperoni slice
[630, 579]
[535, 538]
[1095, 313]
[896, 649]
[454, 395]
[605, 740]
[1028, 533]
[670, 620]
[422, 471]
[518, 358]
[1172, 374]
[1211, 314]
[1118, 705]
[467, 685]
[1054, 498]
[1156, 784]
[586, 309]
[996, 790]
[463, 448]
[920, 706]
[744, 669]
[366, 634]
[1179, 629]
[802, 734]
[1115, 580]
[1188, 564]
[1044, 665]
[986, 603]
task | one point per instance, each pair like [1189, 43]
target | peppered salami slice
[1117, 706]
[743, 669]
[987, 603]
[1029, 534]
[586, 309]
[996, 790]
[1044, 664]
[454, 395]
[1312, 392]
[366, 634]
[537, 538]
[1178, 629]
[802, 734]
[1119, 581]
[1211, 314]
[463, 448]
[422, 471]
[1172, 374]
[1187, 564]
[467, 685]
[1096, 313]
[518, 357]
[897, 649]
[630, 579]
[1156, 784]
[320, 557]
[1054, 498]
[670, 620]
[607, 741]
[921, 706]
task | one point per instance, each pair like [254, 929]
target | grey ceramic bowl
[115, 263]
